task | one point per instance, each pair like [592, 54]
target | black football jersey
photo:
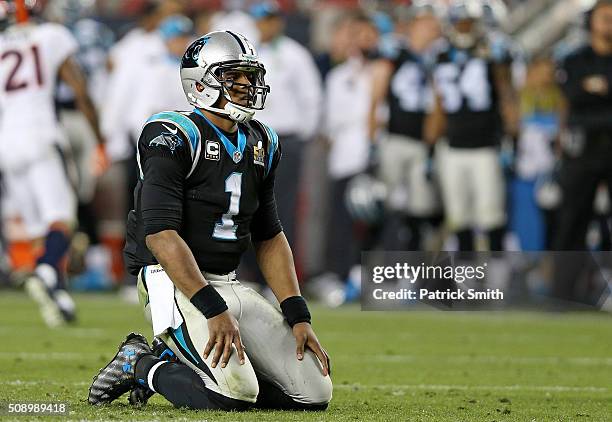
[588, 111]
[409, 95]
[465, 83]
[215, 189]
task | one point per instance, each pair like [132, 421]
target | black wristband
[208, 301]
[295, 310]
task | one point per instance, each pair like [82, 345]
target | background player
[206, 190]
[32, 57]
[94, 40]
[585, 77]
[475, 105]
[402, 81]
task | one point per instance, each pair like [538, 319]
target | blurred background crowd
[353, 98]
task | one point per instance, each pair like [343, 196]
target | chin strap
[235, 112]
[239, 114]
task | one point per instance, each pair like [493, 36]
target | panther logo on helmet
[203, 69]
[196, 52]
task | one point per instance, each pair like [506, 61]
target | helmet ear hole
[199, 87]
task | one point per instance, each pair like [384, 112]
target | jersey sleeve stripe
[185, 124]
[140, 172]
[196, 158]
[273, 146]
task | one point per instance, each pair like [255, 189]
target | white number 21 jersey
[30, 56]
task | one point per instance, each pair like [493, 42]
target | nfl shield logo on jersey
[258, 154]
[237, 156]
[212, 150]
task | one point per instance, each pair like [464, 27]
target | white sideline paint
[515, 387]
[50, 355]
[521, 360]
[45, 382]
[70, 332]
[544, 388]
[524, 360]
[84, 332]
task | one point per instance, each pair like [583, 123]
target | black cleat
[139, 395]
[117, 378]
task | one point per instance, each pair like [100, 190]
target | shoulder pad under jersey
[188, 128]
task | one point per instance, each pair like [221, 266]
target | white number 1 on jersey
[226, 229]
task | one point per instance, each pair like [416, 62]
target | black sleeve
[571, 74]
[589, 111]
[570, 82]
[165, 161]
[265, 223]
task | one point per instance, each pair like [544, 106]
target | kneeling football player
[206, 191]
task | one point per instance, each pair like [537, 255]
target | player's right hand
[223, 331]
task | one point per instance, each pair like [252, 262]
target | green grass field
[417, 366]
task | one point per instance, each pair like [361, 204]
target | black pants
[342, 244]
[580, 176]
[287, 184]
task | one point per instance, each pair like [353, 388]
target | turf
[417, 366]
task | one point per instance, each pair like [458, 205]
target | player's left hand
[305, 337]
[100, 161]
[596, 85]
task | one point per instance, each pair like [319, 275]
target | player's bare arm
[434, 126]
[381, 75]
[72, 75]
[176, 258]
[276, 263]
[508, 99]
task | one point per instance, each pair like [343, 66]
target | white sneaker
[49, 309]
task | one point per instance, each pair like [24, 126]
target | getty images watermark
[396, 279]
[414, 273]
